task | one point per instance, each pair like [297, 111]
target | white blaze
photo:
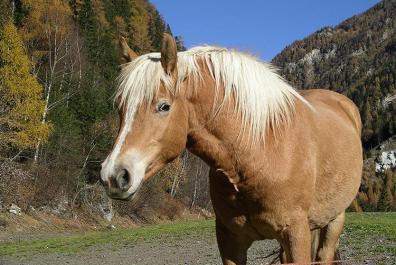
[132, 160]
[108, 165]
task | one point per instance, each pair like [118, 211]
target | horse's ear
[127, 55]
[169, 54]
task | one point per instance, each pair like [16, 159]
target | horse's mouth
[125, 196]
[118, 197]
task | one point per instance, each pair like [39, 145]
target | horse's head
[152, 131]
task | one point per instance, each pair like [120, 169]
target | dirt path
[171, 250]
[368, 238]
[192, 250]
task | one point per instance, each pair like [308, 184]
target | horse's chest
[230, 208]
[257, 215]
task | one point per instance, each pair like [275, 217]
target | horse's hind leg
[315, 240]
[329, 236]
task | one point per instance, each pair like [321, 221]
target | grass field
[365, 235]
[370, 234]
[80, 242]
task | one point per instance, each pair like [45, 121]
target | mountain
[356, 58]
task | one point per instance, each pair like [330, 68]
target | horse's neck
[215, 133]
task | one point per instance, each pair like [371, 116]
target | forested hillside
[58, 67]
[59, 61]
[357, 58]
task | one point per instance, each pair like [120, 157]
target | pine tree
[180, 43]
[139, 28]
[22, 105]
[120, 26]
[389, 200]
[157, 29]
[368, 121]
[168, 29]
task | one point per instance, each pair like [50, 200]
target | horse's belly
[336, 187]
[337, 153]
[326, 206]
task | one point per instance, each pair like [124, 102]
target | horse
[284, 164]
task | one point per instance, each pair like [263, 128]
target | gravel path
[191, 250]
[188, 251]
[368, 238]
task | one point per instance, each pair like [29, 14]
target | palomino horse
[283, 164]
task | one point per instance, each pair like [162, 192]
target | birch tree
[53, 42]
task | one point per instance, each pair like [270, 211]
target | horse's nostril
[123, 180]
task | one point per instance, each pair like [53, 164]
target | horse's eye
[163, 107]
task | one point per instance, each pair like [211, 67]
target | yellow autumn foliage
[21, 104]
[46, 26]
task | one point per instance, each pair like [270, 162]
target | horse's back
[322, 99]
[336, 129]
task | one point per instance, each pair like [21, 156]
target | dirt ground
[187, 251]
[191, 250]
[368, 238]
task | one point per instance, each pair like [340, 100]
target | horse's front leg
[233, 248]
[295, 239]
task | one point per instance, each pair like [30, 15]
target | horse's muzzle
[117, 187]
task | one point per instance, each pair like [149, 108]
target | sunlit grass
[370, 233]
[80, 242]
[365, 233]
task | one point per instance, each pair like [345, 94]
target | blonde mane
[262, 97]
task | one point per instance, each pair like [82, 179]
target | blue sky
[261, 27]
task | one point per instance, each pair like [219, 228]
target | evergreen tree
[139, 28]
[368, 120]
[168, 29]
[157, 29]
[180, 43]
[390, 186]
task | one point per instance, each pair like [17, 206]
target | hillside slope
[69, 50]
[356, 58]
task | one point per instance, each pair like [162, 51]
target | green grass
[80, 242]
[370, 233]
[376, 231]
